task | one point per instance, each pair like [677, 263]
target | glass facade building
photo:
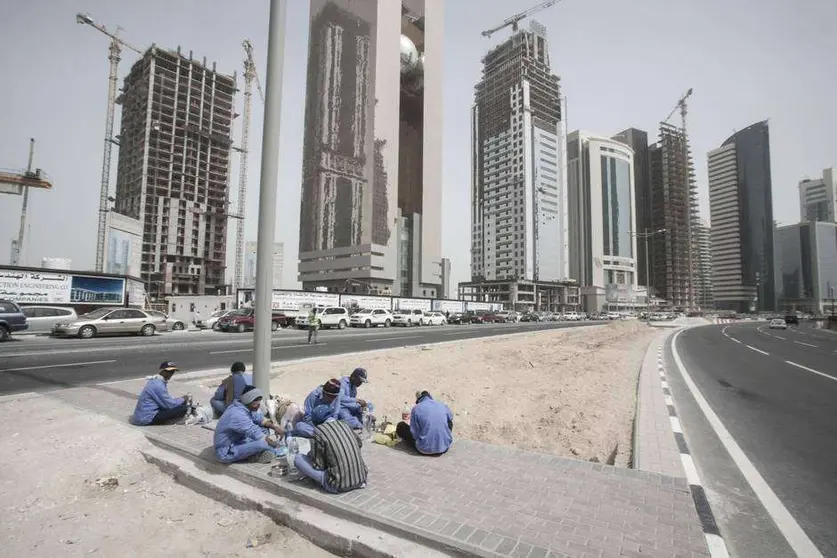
[806, 266]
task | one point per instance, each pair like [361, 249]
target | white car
[778, 323]
[330, 316]
[572, 316]
[433, 318]
[41, 319]
[370, 318]
[172, 324]
[407, 318]
[212, 321]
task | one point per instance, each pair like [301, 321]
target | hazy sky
[622, 63]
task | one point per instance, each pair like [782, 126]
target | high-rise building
[173, 172]
[806, 267]
[638, 141]
[518, 192]
[674, 210]
[445, 292]
[250, 252]
[705, 296]
[818, 198]
[741, 210]
[371, 187]
[600, 175]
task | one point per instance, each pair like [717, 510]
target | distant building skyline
[250, 253]
[371, 181]
[600, 180]
[518, 186]
[741, 212]
[705, 289]
[818, 197]
[173, 169]
[806, 266]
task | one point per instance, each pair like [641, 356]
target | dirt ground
[51, 505]
[566, 392]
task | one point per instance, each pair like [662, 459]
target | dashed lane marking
[811, 370]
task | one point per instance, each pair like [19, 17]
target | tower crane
[250, 75]
[515, 19]
[115, 50]
[682, 107]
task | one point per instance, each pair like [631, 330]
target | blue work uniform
[304, 428]
[430, 425]
[154, 399]
[239, 434]
[240, 381]
[350, 410]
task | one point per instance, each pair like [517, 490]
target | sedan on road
[110, 321]
[778, 323]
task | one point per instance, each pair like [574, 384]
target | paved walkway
[478, 499]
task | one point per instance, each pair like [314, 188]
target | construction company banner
[474, 306]
[448, 306]
[298, 300]
[411, 304]
[366, 302]
[35, 287]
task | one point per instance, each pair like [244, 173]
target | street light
[645, 235]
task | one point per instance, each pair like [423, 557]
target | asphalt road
[43, 363]
[775, 392]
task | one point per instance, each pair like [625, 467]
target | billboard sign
[119, 252]
[366, 302]
[617, 292]
[448, 306]
[297, 300]
[35, 286]
[472, 306]
[136, 293]
[411, 304]
[97, 290]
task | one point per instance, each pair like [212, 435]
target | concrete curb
[219, 372]
[333, 534]
[334, 508]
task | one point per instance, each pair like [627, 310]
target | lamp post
[645, 235]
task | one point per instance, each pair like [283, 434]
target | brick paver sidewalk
[483, 499]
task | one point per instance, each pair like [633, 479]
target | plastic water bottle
[293, 449]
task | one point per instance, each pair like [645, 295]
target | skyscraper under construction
[173, 173]
[674, 207]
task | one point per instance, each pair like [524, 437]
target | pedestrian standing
[313, 325]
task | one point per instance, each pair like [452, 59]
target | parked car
[110, 321]
[41, 319]
[212, 321]
[244, 319]
[530, 317]
[433, 318]
[407, 318]
[472, 318]
[12, 319]
[370, 318]
[456, 318]
[572, 316]
[792, 319]
[172, 324]
[508, 315]
[330, 316]
[491, 318]
[778, 323]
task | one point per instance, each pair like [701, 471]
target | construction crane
[515, 19]
[250, 75]
[682, 107]
[114, 50]
[22, 181]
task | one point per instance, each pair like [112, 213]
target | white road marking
[675, 425]
[806, 344]
[250, 349]
[669, 400]
[780, 337]
[393, 338]
[664, 384]
[692, 476]
[57, 365]
[736, 340]
[717, 546]
[811, 370]
[785, 522]
[757, 350]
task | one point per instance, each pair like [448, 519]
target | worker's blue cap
[321, 413]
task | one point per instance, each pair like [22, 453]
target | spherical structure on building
[409, 55]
